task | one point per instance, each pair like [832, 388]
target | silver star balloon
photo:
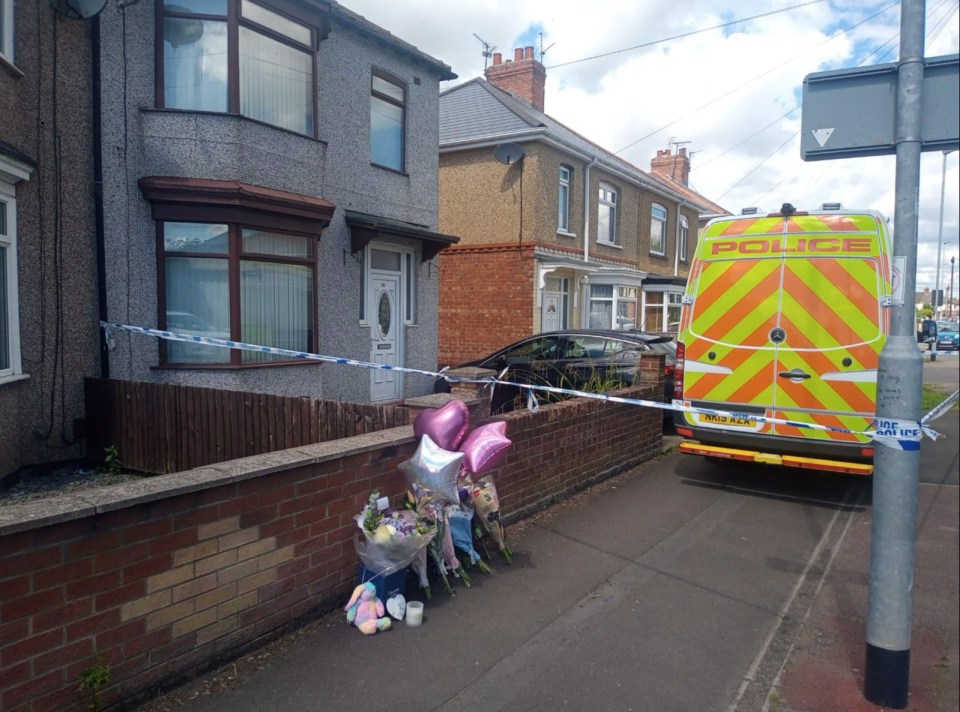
[434, 469]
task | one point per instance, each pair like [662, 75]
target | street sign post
[897, 109]
[851, 113]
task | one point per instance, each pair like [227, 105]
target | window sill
[4, 380]
[390, 170]
[10, 68]
[658, 255]
[564, 233]
[229, 115]
[609, 244]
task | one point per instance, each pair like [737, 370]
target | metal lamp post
[937, 292]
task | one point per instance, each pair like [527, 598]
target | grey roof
[364, 25]
[477, 112]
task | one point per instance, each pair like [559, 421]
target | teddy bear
[366, 611]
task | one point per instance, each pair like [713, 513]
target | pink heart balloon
[485, 447]
[446, 426]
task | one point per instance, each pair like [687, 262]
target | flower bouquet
[459, 523]
[430, 509]
[487, 504]
[390, 540]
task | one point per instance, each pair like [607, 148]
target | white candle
[414, 613]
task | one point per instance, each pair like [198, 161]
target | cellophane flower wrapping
[487, 504]
[390, 540]
[460, 524]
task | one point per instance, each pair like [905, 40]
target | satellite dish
[508, 153]
[78, 9]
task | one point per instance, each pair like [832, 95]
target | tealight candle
[414, 613]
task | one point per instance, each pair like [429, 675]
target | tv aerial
[487, 50]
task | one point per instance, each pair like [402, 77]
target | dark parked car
[587, 359]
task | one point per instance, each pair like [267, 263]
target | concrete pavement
[734, 592]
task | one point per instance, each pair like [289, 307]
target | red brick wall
[486, 300]
[169, 588]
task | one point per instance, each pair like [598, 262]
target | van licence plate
[727, 421]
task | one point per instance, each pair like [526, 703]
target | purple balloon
[446, 426]
[485, 447]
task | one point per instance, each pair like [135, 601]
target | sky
[637, 76]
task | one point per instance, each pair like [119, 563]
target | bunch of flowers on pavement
[449, 489]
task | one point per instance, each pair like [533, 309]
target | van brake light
[678, 373]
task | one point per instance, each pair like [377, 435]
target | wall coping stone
[36, 514]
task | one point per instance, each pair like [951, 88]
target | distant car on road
[571, 359]
[948, 338]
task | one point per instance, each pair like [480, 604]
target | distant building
[555, 231]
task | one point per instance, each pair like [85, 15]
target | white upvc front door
[386, 334]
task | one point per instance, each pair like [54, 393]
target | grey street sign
[849, 113]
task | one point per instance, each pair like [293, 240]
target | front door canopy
[365, 227]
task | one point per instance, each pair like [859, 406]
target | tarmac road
[679, 586]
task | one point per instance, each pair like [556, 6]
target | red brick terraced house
[555, 231]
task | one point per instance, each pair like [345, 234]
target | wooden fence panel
[161, 428]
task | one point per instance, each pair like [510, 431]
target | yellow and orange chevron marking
[822, 288]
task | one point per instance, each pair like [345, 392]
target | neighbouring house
[49, 339]
[270, 175]
[555, 231]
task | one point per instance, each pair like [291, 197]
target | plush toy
[366, 611]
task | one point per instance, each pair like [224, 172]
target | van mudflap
[769, 458]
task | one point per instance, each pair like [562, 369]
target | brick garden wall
[170, 576]
[479, 286]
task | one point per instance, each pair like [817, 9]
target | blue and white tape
[905, 435]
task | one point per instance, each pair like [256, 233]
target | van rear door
[787, 322]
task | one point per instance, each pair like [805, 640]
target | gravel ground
[41, 485]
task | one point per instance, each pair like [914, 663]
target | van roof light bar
[749, 211]
[832, 206]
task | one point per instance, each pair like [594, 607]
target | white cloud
[714, 89]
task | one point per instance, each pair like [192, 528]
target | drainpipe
[585, 280]
[586, 208]
[676, 241]
[98, 195]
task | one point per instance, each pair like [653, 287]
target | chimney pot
[497, 58]
[528, 53]
[518, 54]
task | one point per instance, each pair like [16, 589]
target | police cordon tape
[900, 434]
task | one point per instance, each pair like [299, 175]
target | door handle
[794, 374]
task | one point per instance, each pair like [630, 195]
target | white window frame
[607, 196]
[684, 236]
[563, 199]
[409, 274]
[6, 37]
[8, 243]
[658, 224]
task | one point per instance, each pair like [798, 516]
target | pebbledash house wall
[141, 141]
[168, 577]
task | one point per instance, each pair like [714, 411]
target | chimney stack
[524, 77]
[674, 167]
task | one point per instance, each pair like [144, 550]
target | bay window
[238, 57]
[236, 262]
[229, 281]
[613, 307]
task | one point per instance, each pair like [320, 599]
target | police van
[784, 318]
